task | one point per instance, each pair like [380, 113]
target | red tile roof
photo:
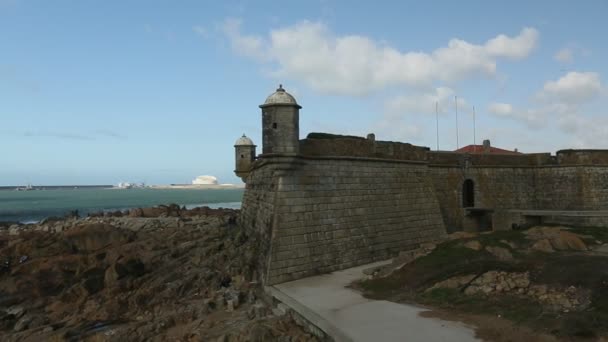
[479, 149]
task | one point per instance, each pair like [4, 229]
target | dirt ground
[156, 275]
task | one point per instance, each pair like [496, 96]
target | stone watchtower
[281, 124]
[244, 156]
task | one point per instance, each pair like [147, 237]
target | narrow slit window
[274, 125]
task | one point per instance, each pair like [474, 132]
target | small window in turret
[242, 156]
[274, 125]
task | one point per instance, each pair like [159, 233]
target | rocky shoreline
[154, 274]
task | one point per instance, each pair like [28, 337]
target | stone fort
[330, 202]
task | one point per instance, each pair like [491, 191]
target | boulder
[13, 230]
[541, 232]
[23, 323]
[137, 212]
[569, 241]
[153, 212]
[543, 246]
[474, 245]
[501, 253]
[453, 283]
[509, 243]
[17, 311]
[461, 235]
[93, 280]
[560, 238]
[122, 268]
[602, 248]
[259, 333]
[95, 236]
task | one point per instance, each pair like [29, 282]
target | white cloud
[574, 87]
[424, 102]
[564, 55]
[501, 109]
[559, 101]
[355, 65]
[250, 46]
[532, 117]
[588, 132]
[515, 48]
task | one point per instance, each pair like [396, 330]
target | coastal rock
[22, 323]
[92, 237]
[14, 230]
[137, 212]
[172, 275]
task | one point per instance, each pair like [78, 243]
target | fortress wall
[572, 188]
[257, 209]
[595, 187]
[543, 188]
[447, 182]
[322, 144]
[582, 157]
[560, 188]
[495, 188]
[481, 160]
[331, 214]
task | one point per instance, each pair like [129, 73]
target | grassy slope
[557, 269]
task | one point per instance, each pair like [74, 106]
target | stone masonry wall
[334, 213]
[495, 188]
[543, 188]
[319, 214]
[257, 210]
[322, 144]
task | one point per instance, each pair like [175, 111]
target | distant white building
[124, 185]
[205, 180]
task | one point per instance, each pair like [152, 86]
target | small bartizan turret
[280, 124]
[244, 156]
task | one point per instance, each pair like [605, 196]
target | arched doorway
[468, 193]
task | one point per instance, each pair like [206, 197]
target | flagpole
[456, 103]
[474, 133]
[437, 119]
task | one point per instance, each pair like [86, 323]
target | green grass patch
[598, 233]
[513, 308]
[448, 260]
[516, 237]
[558, 269]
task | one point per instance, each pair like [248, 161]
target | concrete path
[347, 316]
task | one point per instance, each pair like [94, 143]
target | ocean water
[36, 205]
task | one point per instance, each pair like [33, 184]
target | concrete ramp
[347, 316]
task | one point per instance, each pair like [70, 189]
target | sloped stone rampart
[326, 214]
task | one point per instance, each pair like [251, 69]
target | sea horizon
[35, 206]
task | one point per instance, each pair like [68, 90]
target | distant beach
[36, 205]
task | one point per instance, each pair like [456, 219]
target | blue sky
[158, 91]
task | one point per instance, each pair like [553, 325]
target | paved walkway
[346, 315]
